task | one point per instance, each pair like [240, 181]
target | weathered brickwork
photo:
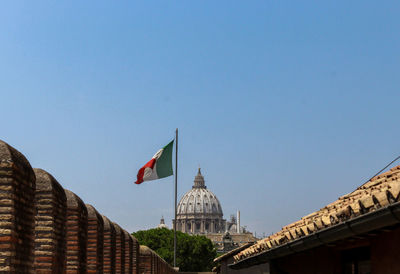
[128, 252]
[161, 265]
[76, 234]
[94, 251]
[47, 229]
[151, 263]
[154, 261]
[145, 260]
[109, 246]
[119, 249]
[50, 220]
[135, 255]
[17, 192]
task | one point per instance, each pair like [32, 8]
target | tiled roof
[378, 192]
[232, 252]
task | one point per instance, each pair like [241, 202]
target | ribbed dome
[199, 200]
[199, 211]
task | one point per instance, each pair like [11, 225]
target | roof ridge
[379, 191]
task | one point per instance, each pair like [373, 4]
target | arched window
[214, 208]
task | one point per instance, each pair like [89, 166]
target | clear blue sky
[286, 105]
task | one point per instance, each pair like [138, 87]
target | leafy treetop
[194, 253]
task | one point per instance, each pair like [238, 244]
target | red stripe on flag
[140, 174]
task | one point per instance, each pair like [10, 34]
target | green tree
[194, 253]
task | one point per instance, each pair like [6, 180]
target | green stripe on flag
[164, 163]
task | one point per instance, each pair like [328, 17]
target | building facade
[199, 212]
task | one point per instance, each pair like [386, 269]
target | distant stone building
[162, 223]
[200, 213]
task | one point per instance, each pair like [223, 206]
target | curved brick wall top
[109, 246]
[127, 235]
[161, 259]
[128, 251]
[76, 233]
[107, 223]
[95, 241]
[50, 221]
[119, 249]
[17, 182]
[135, 254]
[10, 157]
[93, 213]
[45, 181]
[118, 229]
[144, 250]
[156, 256]
[73, 200]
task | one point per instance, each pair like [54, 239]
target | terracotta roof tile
[382, 198]
[355, 207]
[380, 191]
[293, 233]
[394, 190]
[318, 223]
[367, 202]
[311, 227]
[326, 220]
[288, 236]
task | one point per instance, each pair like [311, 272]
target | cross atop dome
[199, 180]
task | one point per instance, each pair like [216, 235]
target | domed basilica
[199, 211]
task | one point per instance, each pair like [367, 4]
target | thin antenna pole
[176, 194]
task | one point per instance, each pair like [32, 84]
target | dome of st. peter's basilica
[199, 210]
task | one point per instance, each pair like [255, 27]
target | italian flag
[159, 166]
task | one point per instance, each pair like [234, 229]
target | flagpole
[176, 194]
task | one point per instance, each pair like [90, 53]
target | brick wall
[135, 255]
[76, 233]
[119, 249]
[128, 252]
[47, 229]
[17, 185]
[109, 246]
[94, 251]
[154, 262]
[161, 266]
[151, 263]
[145, 260]
[50, 220]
